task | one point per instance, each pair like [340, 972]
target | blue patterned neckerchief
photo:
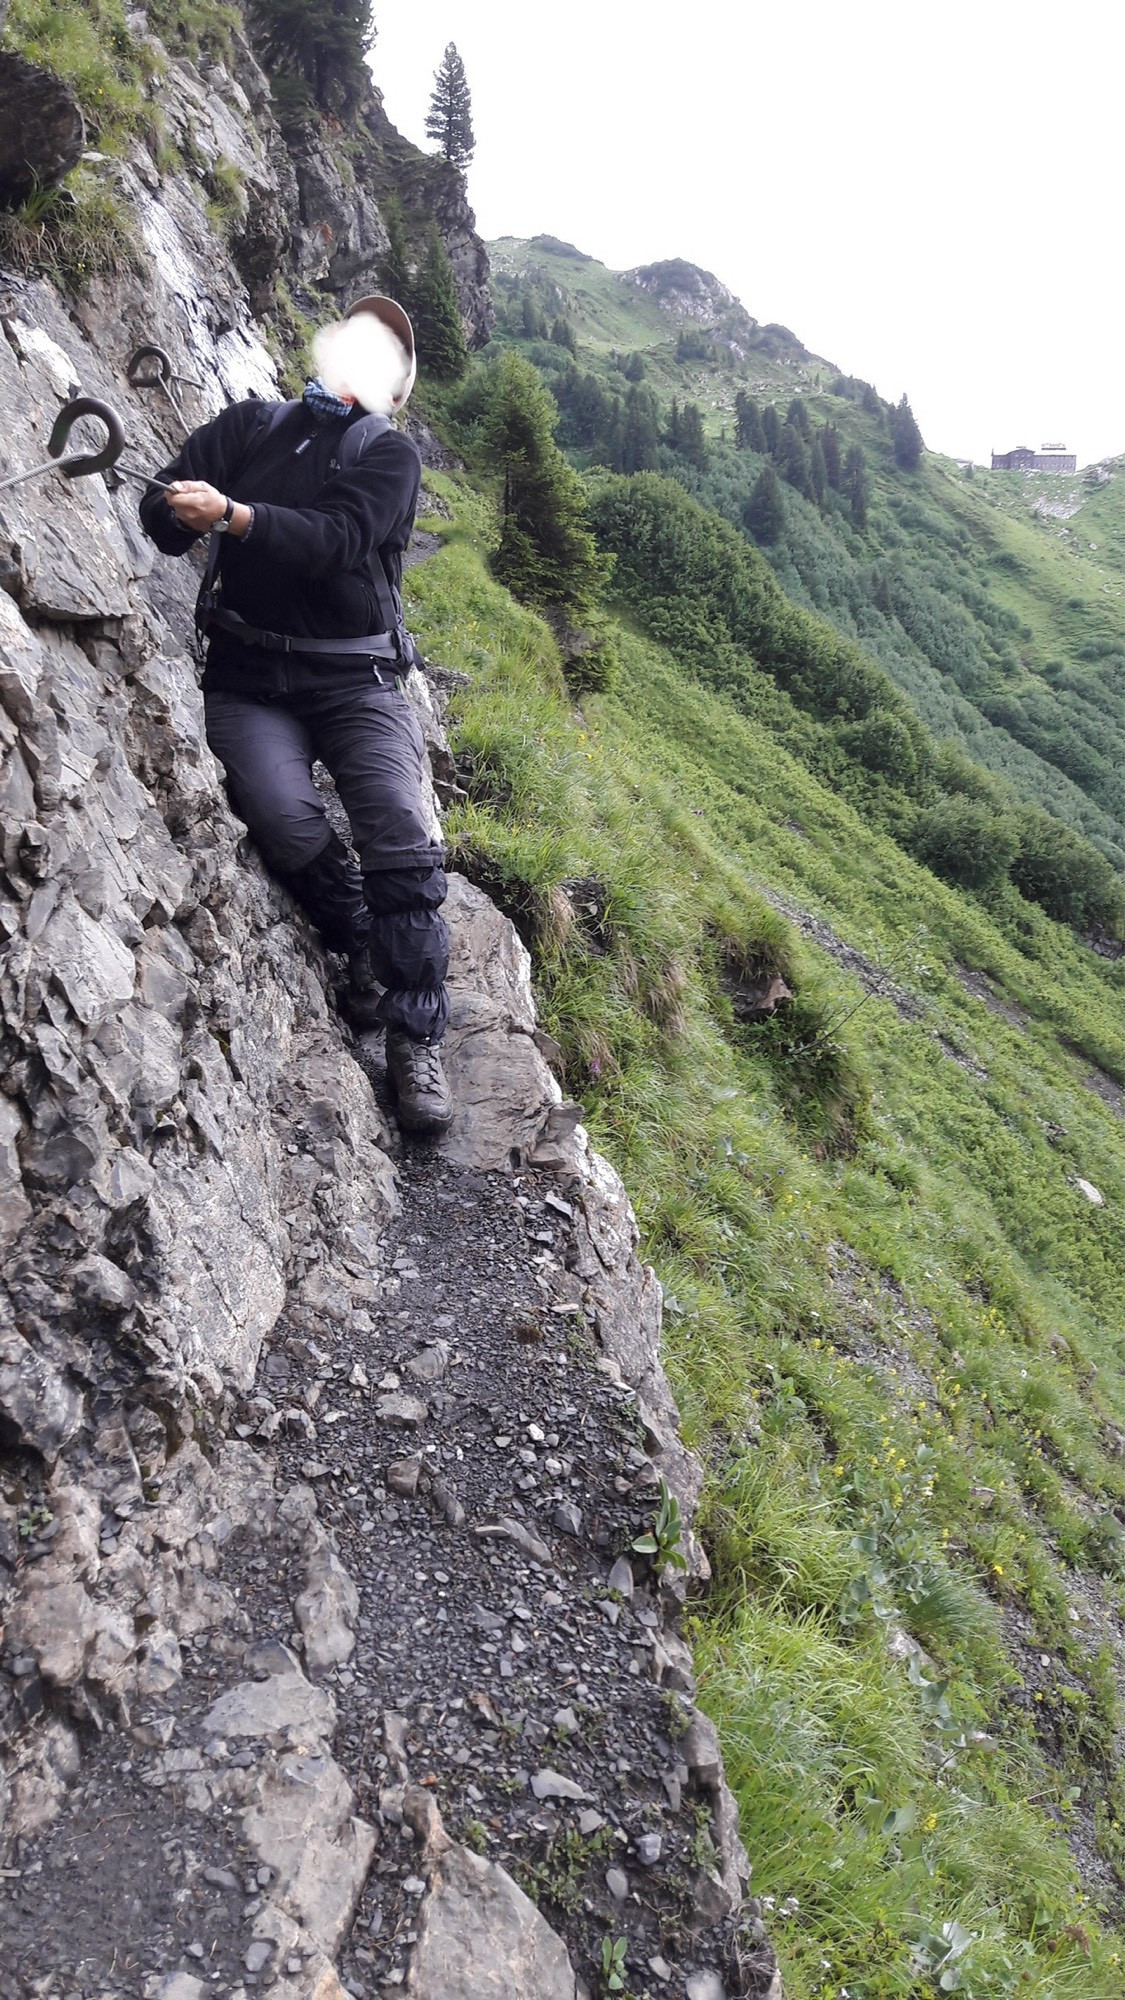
[322, 405]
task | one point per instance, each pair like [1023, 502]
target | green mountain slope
[1004, 628]
[893, 1313]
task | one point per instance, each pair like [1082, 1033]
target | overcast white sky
[928, 196]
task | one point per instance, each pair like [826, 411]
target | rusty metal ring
[163, 376]
[86, 462]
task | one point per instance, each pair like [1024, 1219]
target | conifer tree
[635, 368]
[855, 484]
[317, 44]
[833, 463]
[906, 437]
[394, 265]
[771, 428]
[764, 512]
[534, 319]
[793, 459]
[562, 333]
[818, 471]
[798, 416]
[442, 351]
[641, 440]
[693, 444]
[673, 432]
[449, 118]
[747, 423]
[547, 554]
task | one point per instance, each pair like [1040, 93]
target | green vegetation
[314, 52]
[891, 1313]
[71, 234]
[662, 1540]
[93, 51]
[546, 553]
[433, 307]
[449, 119]
[1002, 626]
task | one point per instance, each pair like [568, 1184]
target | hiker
[309, 506]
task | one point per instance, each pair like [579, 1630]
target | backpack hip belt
[372, 645]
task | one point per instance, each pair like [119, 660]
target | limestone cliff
[210, 1240]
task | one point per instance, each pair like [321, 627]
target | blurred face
[361, 359]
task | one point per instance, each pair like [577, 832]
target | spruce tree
[764, 512]
[442, 351]
[818, 471]
[547, 555]
[318, 45]
[793, 459]
[771, 428]
[641, 441]
[747, 423]
[394, 265]
[635, 368]
[562, 333]
[534, 319]
[833, 463]
[907, 438]
[693, 444]
[449, 118]
[855, 484]
[798, 416]
[673, 432]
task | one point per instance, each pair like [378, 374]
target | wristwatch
[220, 526]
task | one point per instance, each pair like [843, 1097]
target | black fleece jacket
[324, 546]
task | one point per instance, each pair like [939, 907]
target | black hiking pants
[370, 740]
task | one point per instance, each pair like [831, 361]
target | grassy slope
[903, 1364]
[1014, 593]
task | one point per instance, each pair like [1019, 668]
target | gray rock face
[480, 1936]
[187, 1146]
[41, 129]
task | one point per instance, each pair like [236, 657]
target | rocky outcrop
[201, 1476]
[41, 129]
[689, 294]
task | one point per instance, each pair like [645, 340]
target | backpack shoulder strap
[272, 414]
[358, 436]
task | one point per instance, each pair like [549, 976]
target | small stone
[705, 1986]
[430, 1365]
[358, 1377]
[403, 1476]
[414, 1886]
[589, 1821]
[568, 1519]
[565, 1718]
[648, 1850]
[315, 1468]
[181, 1986]
[220, 1878]
[617, 1882]
[621, 1579]
[660, 1969]
[547, 1784]
[407, 1410]
[257, 1955]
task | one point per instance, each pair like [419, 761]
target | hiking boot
[414, 1068]
[359, 999]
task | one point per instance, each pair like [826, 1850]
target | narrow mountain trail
[477, 1633]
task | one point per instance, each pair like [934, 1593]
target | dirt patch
[982, 989]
